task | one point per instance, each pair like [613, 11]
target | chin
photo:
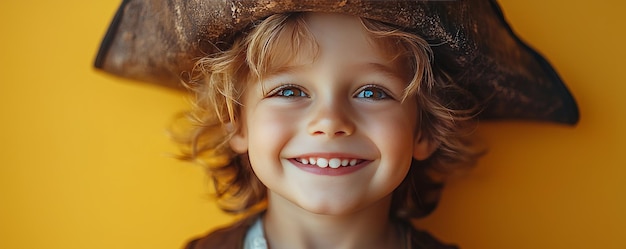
[329, 211]
[332, 208]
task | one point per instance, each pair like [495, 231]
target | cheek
[394, 129]
[394, 133]
[269, 130]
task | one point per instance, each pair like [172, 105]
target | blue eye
[288, 92]
[373, 93]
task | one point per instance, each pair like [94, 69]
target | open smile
[331, 165]
[329, 162]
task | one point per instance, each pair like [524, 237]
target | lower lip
[328, 171]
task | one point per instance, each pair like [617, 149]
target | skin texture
[322, 107]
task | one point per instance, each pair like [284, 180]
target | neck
[290, 226]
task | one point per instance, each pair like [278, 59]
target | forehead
[342, 34]
[311, 37]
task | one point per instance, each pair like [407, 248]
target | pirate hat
[157, 41]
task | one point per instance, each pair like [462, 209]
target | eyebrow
[383, 68]
[285, 69]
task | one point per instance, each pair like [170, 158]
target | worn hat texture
[159, 41]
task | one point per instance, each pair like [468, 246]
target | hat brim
[158, 41]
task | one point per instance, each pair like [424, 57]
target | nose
[331, 119]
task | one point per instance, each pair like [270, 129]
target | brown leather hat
[158, 41]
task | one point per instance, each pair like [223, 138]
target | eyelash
[373, 93]
[370, 92]
[281, 91]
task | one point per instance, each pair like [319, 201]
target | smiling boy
[331, 137]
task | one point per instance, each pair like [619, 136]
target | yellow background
[84, 158]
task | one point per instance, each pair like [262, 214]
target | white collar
[255, 237]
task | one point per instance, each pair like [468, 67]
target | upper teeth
[326, 162]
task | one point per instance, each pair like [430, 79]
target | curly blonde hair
[220, 80]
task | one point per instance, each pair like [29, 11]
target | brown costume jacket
[232, 237]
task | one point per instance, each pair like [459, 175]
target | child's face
[343, 107]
